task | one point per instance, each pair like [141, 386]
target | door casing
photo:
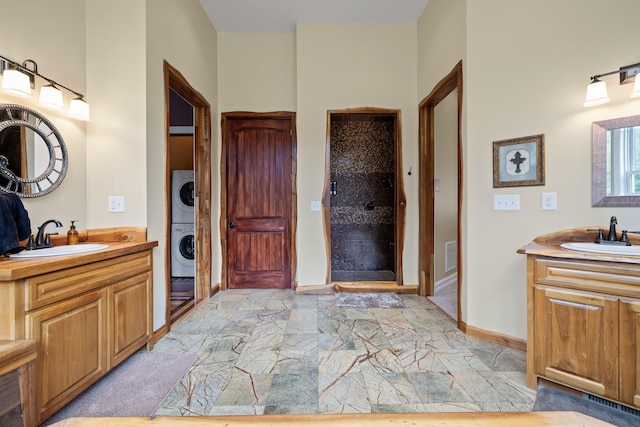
[426, 142]
[202, 173]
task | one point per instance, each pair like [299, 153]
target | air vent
[450, 256]
[611, 404]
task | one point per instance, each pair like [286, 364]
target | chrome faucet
[43, 240]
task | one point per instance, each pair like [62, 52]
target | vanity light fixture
[597, 89]
[19, 80]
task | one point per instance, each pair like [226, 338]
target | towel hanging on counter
[14, 222]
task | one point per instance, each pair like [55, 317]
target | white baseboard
[440, 285]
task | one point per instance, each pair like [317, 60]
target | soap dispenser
[72, 234]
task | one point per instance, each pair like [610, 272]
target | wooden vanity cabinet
[584, 326]
[85, 317]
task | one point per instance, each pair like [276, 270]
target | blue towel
[14, 222]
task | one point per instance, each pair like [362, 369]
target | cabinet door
[71, 349]
[630, 352]
[576, 337]
[130, 314]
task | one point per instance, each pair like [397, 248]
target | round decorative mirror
[33, 156]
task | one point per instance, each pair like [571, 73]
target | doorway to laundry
[364, 196]
[181, 165]
[188, 201]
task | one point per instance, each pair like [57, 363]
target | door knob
[232, 225]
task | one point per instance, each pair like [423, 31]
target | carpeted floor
[134, 388]
[548, 399]
[368, 300]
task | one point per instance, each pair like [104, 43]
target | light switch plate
[506, 202]
[116, 204]
[316, 205]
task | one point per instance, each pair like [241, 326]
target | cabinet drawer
[604, 277]
[59, 285]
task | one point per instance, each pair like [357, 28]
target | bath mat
[133, 389]
[368, 300]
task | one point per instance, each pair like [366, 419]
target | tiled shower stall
[362, 175]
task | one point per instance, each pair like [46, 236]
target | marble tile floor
[447, 299]
[275, 352]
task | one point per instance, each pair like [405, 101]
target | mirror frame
[599, 196]
[19, 115]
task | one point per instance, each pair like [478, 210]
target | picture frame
[518, 162]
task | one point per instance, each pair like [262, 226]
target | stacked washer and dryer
[182, 224]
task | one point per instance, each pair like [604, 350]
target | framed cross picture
[518, 162]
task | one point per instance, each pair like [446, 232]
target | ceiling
[280, 16]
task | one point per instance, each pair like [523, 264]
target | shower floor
[363, 276]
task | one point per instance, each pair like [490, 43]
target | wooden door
[259, 163]
[576, 338]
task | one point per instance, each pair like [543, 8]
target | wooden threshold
[477, 419]
[375, 287]
[331, 288]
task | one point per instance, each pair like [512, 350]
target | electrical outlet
[549, 201]
[506, 202]
[116, 204]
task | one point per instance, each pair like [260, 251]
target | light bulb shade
[636, 87]
[50, 97]
[16, 83]
[596, 93]
[79, 109]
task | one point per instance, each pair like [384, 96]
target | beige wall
[527, 66]
[60, 55]
[347, 66]
[322, 67]
[121, 152]
[442, 43]
[256, 72]
[181, 34]
[127, 134]
[116, 136]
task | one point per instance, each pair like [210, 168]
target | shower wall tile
[362, 146]
[359, 215]
[362, 247]
[355, 189]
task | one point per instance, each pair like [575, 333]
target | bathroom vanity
[583, 317]
[87, 312]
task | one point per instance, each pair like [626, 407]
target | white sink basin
[602, 248]
[60, 250]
